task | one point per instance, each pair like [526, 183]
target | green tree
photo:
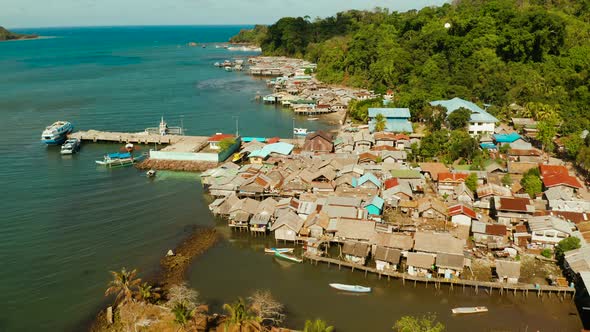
[532, 184]
[565, 245]
[240, 317]
[459, 118]
[226, 143]
[426, 323]
[504, 149]
[471, 182]
[507, 180]
[380, 122]
[123, 285]
[148, 293]
[547, 253]
[317, 325]
[546, 131]
[583, 158]
[573, 143]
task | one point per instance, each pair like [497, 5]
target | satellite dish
[447, 25]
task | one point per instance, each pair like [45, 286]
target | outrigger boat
[118, 159]
[469, 310]
[351, 288]
[288, 257]
[273, 250]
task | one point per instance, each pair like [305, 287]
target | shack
[355, 252]
[508, 271]
[420, 264]
[387, 258]
[287, 226]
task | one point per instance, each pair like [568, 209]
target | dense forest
[523, 58]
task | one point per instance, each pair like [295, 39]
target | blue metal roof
[279, 147]
[488, 146]
[366, 177]
[250, 139]
[401, 113]
[506, 138]
[477, 115]
[378, 202]
[258, 153]
[394, 125]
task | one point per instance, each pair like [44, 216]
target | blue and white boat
[273, 250]
[57, 133]
[351, 288]
[119, 159]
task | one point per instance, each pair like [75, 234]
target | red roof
[496, 229]
[561, 180]
[547, 170]
[383, 148]
[390, 183]
[452, 177]
[367, 156]
[218, 137]
[273, 140]
[462, 209]
[575, 217]
[514, 204]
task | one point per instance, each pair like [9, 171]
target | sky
[54, 13]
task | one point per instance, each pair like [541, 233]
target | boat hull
[468, 310]
[288, 257]
[351, 288]
[273, 250]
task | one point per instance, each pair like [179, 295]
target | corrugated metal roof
[401, 113]
[477, 115]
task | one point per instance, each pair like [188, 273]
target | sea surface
[66, 222]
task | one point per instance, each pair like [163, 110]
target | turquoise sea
[65, 222]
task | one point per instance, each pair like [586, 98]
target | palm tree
[148, 293]
[380, 122]
[241, 317]
[317, 325]
[182, 314]
[122, 285]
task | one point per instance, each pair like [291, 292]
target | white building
[480, 123]
[547, 231]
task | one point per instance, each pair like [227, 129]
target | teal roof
[378, 202]
[400, 113]
[279, 147]
[394, 126]
[477, 113]
[367, 177]
[506, 138]
[489, 146]
[258, 153]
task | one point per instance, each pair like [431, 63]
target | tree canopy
[497, 52]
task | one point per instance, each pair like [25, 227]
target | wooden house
[387, 259]
[432, 208]
[287, 226]
[375, 206]
[420, 264]
[449, 265]
[355, 252]
[448, 181]
[318, 142]
[462, 215]
[508, 271]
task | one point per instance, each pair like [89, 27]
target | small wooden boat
[351, 288]
[469, 310]
[273, 250]
[312, 119]
[288, 257]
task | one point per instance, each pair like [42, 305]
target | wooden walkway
[437, 282]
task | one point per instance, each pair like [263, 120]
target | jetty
[489, 286]
[97, 136]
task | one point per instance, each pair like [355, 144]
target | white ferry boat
[70, 146]
[469, 310]
[57, 133]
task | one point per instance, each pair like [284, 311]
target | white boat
[312, 119]
[300, 131]
[70, 146]
[288, 257]
[151, 173]
[273, 250]
[351, 288]
[57, 133]
[469, 310]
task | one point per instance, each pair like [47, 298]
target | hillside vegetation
[7, 35]
[535, 53]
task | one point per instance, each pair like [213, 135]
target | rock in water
[170, 253]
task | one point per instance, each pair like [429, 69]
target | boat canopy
[118, 155]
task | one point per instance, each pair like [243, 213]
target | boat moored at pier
[57, 133]
[118, 159]
[70, 146]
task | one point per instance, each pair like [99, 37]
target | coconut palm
[380, 122]
[317, 325]
[241, 318]
[122, 285]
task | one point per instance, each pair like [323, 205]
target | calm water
[66, 223]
